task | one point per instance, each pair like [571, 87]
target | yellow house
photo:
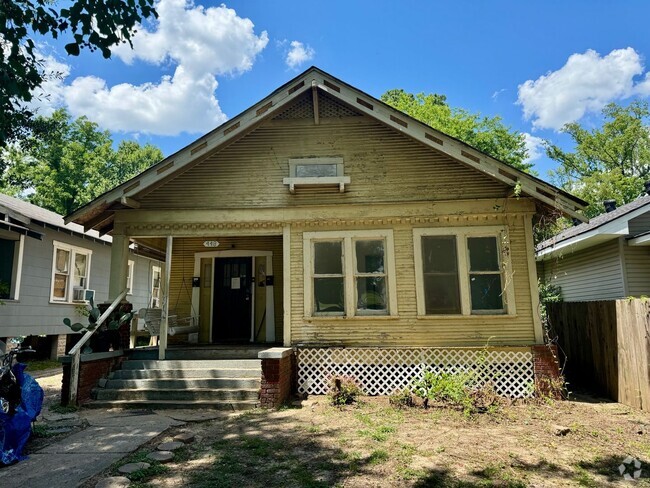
[325, 221]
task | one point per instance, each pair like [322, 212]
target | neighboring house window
[155, 286]
[349, 273]
[129, 277]
[463, 271]
[70, 273]
[11, 250]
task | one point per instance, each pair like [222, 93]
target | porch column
[286, 285]
[119, 266]
[164, 324]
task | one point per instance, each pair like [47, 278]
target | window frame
[73, 250]
[130, 270]
[348, 239]
[17, 265]
[155, 268]
[462, 254]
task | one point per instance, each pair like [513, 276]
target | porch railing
[75, 352]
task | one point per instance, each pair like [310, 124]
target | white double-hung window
[70, 272]
[463, 271]
[349, 273]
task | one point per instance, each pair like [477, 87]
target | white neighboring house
[607, 258]
[49, 268]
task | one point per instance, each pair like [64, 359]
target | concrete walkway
[111, 435]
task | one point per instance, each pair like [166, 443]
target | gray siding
[591, 274]
[33, 314]
[640, 224]
[637, 267]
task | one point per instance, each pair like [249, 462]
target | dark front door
[231, 316]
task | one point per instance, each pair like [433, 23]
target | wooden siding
[637, 268]
[407, 329]
[33, 314]
[383, 165]
[591, 274]
[640, 224]
[183, 251]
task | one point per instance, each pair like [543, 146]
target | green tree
[91, 24]
[487, 134]
[71, 163]
[609, 162]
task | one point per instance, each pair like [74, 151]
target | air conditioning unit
[80, 294]
[89, 295]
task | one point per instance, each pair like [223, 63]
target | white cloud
[534, 146]
[201, 43]
[50, 94]
[585, 84]
[298, 54]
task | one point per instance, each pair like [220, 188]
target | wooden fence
[607, 347]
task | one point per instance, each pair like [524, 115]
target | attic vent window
[316, 172]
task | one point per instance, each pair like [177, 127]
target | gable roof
[98, 214]
[601, 228]
[29, 214]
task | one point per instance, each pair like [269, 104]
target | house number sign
[210, 243]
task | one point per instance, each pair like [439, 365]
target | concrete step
[193, 364]
[184, 383]
[151, 374]
[224, 352]
[188, 394]
[229, 405]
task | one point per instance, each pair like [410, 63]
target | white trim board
[270, 304]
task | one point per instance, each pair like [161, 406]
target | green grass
[378, 456]
[63, 408]
[42, 365]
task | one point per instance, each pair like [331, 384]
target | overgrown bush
[452, 388]
[343, 390]
[401, 398]
[548, 293]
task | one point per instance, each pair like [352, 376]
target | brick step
[192, 364]
[146, 374]
[188, 394]
[184, 383]
[229, 405]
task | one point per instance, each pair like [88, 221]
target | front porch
[211, 290]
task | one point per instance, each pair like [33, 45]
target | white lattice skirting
[381, 371]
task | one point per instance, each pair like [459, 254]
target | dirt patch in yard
[374, 444]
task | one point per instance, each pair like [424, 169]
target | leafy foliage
[487, 134]
[70, 163]
[95, 25]
[114, 321]
[343, 390]
[445, 387]
[610, 162]
[401, 398]
[548, 293]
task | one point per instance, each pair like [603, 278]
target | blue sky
[537, 65]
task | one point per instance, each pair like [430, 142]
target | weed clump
[343, 390]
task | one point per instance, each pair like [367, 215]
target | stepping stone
[161, 456]
[185, 438]
[114, 482]
[133, 467]
[170, 446]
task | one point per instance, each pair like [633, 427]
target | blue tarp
[15, 429]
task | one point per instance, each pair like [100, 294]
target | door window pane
[486, 291]
[329, 295]
[370, 256]
[483, 254]
[328, 258]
